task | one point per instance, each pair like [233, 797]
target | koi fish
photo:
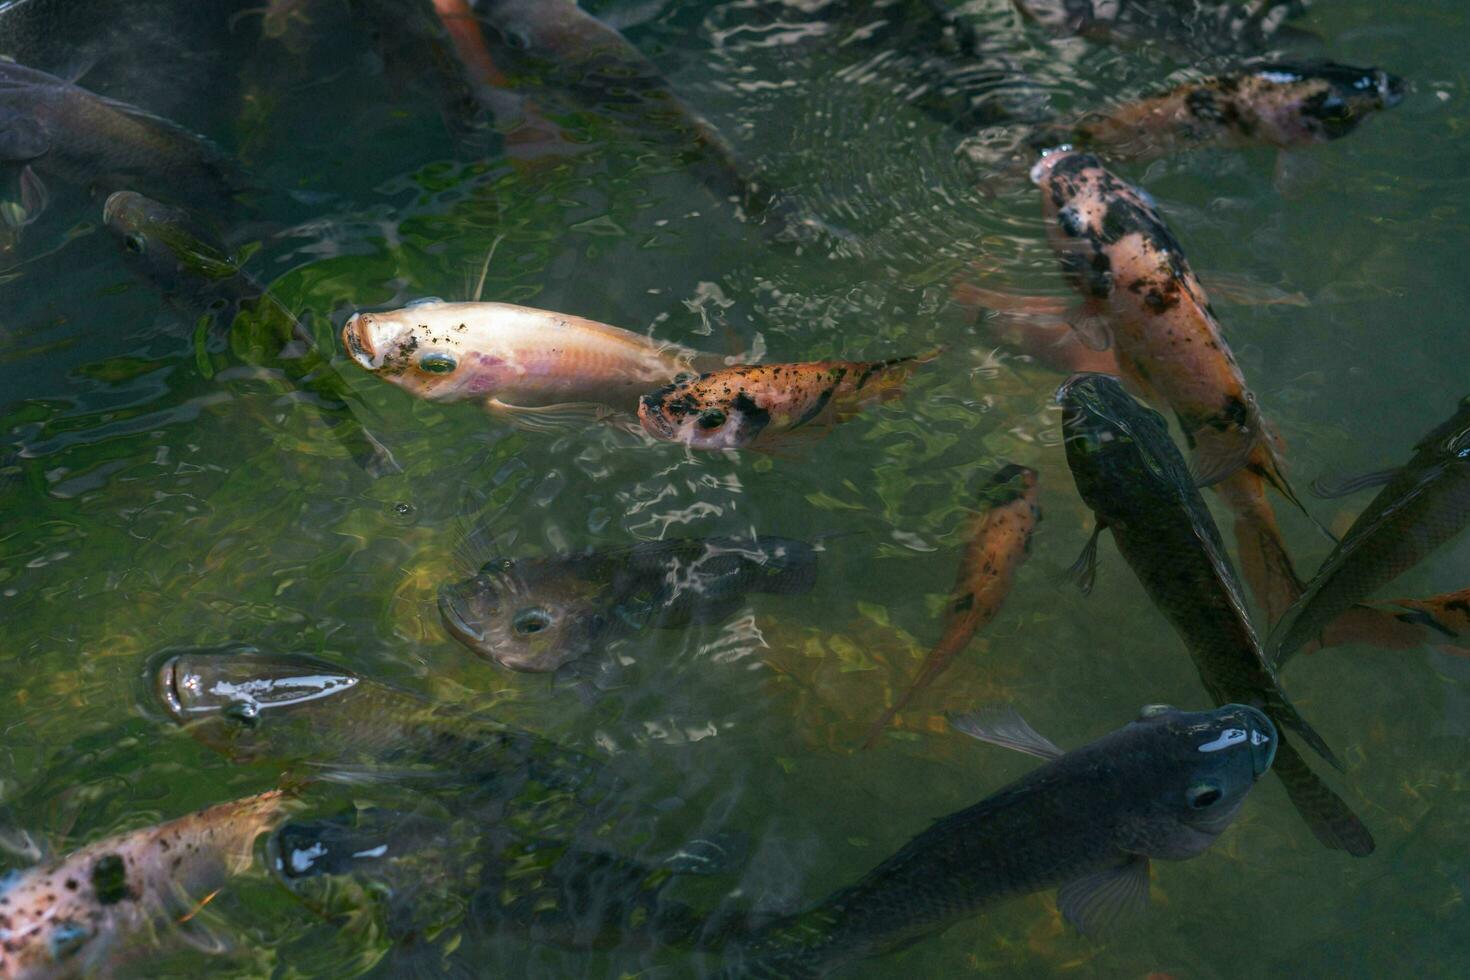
[746, 405]
[999, 543]
[1280, 104]
[72, 917]
[526, 365]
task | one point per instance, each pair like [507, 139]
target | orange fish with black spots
[999, 544]
[753, 404]
[1141, 298]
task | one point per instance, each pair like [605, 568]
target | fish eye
[712, 419]
[246, 714]
[437, 363]
[1203, 796]
[134, 243]
[531, 621]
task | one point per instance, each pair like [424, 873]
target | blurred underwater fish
[1131, 476]
[51, 129]
[1087, 822]
[1142, 300]
[78, 916]
[1195, 26]
[1423, 505]
[173, 250]
[540, 614]
[753, 405]
[535, 368]
[999, 542]
[250, 705]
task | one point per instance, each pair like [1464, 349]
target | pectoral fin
[1097, 904]
[1000, 724]
[1329, 488]
[1091, 326]
[24, 199]
[1244, 291]
[1083, 571]
[548, 418]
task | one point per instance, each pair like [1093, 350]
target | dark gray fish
[531, 886]
[250, 705]
[1087, 823]
[1423, 505]
[51, 129]
[538, 614]
[1132, 476]
[175, 251]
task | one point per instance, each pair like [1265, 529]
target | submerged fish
[52, 129]
[999, 543]
[75, 916]
[524, 364]
[1142, 298]
[1199, 26]
[249, 705]
[1423, 505]
[1130, 474]
[1448, 614]
[749, 405]
[1087, 823]
[538, 614]
[174, 251]
[1279, 104]
[424, 868]
[558, 49]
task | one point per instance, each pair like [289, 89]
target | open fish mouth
[357, 339]
[455, 622]
[654, 421]
[166, 683]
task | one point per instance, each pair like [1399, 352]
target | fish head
[1088, 211]
[419, 350]
[231, 699]
[708, 412]
[1191, 771]
[1318, 102]
[166, 245]
[1009, 483]
[1115, 446]
[525, 616]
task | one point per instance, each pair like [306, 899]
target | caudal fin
[1331, 820]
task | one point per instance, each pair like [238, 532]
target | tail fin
[1284, 713]
[1331, 820]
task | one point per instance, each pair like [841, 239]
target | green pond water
[153, 496]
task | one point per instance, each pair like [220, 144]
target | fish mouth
[1390, 89]
[166, 684]
[654, 422]
[1263, 737]
[454, 621]
[357, 340]
[1049, 156]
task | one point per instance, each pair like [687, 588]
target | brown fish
[1447, 614]
[999, 544]
[749, 405]
[69, 917]
[1279, 104]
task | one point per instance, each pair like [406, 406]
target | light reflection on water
[145, 506]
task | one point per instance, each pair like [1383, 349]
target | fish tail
[1284, 713]
[934, 665]
[1264, 561]
[1330, 819]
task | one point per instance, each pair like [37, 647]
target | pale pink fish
[526, 364]
[76, 916]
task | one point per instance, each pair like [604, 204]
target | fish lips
[1261, 734]
[358, 342]
[166, 687]
[650, 414]
[455, 621]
